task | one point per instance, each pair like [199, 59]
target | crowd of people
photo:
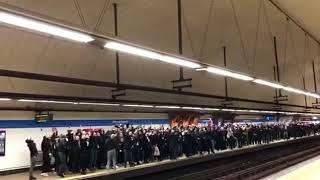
[87, 150]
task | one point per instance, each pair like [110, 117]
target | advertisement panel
[184, 119]
[2, 143]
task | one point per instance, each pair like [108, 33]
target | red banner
[184, 119]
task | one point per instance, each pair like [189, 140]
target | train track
[252, 165]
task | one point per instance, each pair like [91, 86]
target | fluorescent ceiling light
[230, 110]
[180, 62]
[215, 70]
[194, 108]
[46, 101]
[5, 99]
[98, 104]
[290, 89]
[43, 27]
[137, 105]
[271, 112]
[241, 110]
[168, 107]
[132, 50]
[224, 72]
[267, 83]
[282, 112]
[312, 94]
[150, 54]
[291, 113]
[211, 109]
[254, 111]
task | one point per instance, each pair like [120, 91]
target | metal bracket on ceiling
[316, 104]
[181, 83]
[280, 98]
[277, 107]
[226, 102]
[307, 109]
[118, 92]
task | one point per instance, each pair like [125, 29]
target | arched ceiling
[306, 13]
[246, 28]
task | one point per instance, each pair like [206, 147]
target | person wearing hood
[33, 156]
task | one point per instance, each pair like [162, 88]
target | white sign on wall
[2, 143]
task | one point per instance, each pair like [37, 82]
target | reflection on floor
[24, 176]
[307, 170]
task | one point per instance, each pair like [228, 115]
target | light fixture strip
[211, 109]
[150, 54]
[138, 105]
[168, 107]
[46, 101]
[43, 27]
[228, 73]
[99, 104]
[163, 106]
[267, 83]
[5, 99]
[192, 108]
[228, 110]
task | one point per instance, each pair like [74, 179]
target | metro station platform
[123, 173]
[307, 170]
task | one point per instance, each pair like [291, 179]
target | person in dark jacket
[55, 153]
[75, 154]
[102, 154]
[93, 148]
[46, 153]
[173, 142]
[84, 153]
[120, 148]
[68, 149]
[128, 149]
[62, 149]
[33, 155]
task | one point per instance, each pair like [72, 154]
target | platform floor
[69, 176]
[307, 170]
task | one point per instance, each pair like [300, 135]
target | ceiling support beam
[17, 96]
[87, 82]
[180, 83]
[117, 92]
